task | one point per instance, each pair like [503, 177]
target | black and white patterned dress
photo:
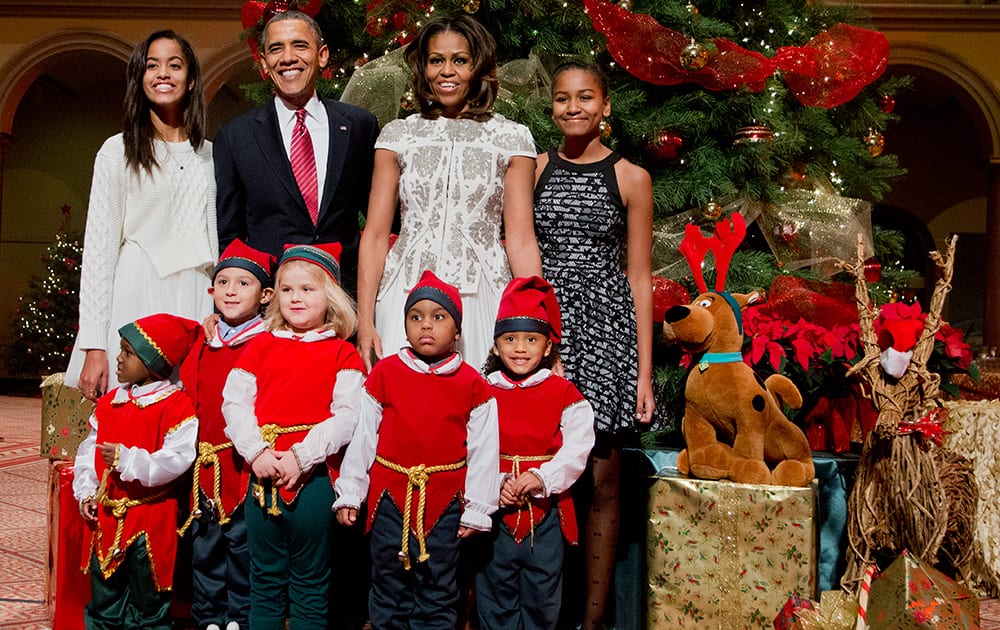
[580, 222]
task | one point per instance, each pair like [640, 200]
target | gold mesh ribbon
[208, 455]
[730, 506]
[119, 508]
[526, 504]
[269, 433]
[417, 476]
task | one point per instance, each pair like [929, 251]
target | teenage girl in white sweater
[151, 237]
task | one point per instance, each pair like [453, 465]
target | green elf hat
[161, 341]
[324, 255]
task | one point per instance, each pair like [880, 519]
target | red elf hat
[242, 256]
[432, 288]
[161, 341]
[324, 255]
[529, 305]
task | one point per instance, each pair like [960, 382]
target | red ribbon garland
[828, 71]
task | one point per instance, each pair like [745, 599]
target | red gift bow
[828, 71]
[929, 426]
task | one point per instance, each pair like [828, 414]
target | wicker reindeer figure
[734, 425]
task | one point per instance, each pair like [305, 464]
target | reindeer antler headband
[728, 236]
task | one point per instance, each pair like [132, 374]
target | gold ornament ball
[875, 142]
[754, 134]
[408, 102]
[471, 6]
[712, 211]
[693, 57]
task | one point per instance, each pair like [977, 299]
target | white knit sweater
[169, 214]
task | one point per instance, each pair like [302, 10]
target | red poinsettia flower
[955, 347]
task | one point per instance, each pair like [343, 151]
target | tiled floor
[23, 539]
[23, 536]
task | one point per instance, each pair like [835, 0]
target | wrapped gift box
[64, 418]
[727, 555]
[912, 595]
[67, 588]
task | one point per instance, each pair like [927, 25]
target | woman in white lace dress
[457, 171]
[150, 241]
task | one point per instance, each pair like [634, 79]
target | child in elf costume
[220, 561]
[425, 454]
[290, 405]
[142, 438]
[546, 433]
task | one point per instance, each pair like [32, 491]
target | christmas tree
[45, 319]
[719, 100]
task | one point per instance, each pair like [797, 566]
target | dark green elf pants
[128, 598]
[290, 558]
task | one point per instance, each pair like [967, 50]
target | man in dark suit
[260, 200]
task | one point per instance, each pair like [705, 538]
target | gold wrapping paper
[65, 413]
[836, 611]
[727, 555]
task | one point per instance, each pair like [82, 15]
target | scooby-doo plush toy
[734, 425]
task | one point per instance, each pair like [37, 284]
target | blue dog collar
[733, 305]
[709, 358]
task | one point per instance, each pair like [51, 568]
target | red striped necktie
[304, 164]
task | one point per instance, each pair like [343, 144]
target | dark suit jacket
[259, 202]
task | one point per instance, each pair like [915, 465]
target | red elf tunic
[547, 427]
[219, 468]
[128, 509]
[436, 416]
[294, 392]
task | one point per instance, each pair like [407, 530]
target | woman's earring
[605, 128]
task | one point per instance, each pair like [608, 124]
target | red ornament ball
[667, 293]
[873, 270]
[887, 103]
[665, 145]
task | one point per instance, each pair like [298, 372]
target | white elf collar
[312, 335]
[143, 395]
[501, 380]
[244, 333]
[445, 366]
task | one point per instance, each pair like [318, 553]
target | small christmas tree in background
[45, 320]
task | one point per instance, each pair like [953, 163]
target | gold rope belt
[208, 455]
[270, 433]
[417, 476]
[119, 507]
[526, 503]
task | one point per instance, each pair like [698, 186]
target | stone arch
[17, 75]
[975, 91]
[222, 65]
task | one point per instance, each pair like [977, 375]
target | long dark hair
[139, 133]
[483, 87]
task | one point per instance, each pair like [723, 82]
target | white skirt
[139, 291]
[479, 314]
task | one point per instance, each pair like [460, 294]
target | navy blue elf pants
[220, 562]
[521, 585]
[426, 596]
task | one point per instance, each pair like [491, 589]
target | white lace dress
[451, 205]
